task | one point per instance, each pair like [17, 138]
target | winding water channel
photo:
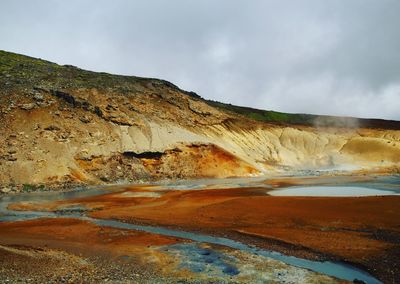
[337, 269]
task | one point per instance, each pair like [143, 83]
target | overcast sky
[327, 57]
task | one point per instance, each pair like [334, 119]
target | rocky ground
[56, 251]
[22, 264]
[70, 251]
[359, 230]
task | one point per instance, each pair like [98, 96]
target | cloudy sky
[337, 57]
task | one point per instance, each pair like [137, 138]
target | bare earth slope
[61, 124]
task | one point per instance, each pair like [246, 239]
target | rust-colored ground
[362, 230]
[73, 251]
[78, 236]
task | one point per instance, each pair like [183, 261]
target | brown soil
[73, 251]
[364, 231]
[73, 234]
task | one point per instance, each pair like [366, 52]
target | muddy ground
[364, 231]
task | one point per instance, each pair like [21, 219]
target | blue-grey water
[331, 191]
[336, 269]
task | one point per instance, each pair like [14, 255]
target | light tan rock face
[107, 137]
[61, 124]
[309, 148]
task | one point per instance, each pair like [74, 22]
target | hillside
[63, 125]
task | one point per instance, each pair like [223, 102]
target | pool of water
[333, 191]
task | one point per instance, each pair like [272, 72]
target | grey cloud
[329, 57]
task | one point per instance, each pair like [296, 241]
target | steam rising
[336, 122]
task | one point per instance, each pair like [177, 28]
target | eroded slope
[61, 124]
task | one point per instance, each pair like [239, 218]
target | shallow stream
[336, 269]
